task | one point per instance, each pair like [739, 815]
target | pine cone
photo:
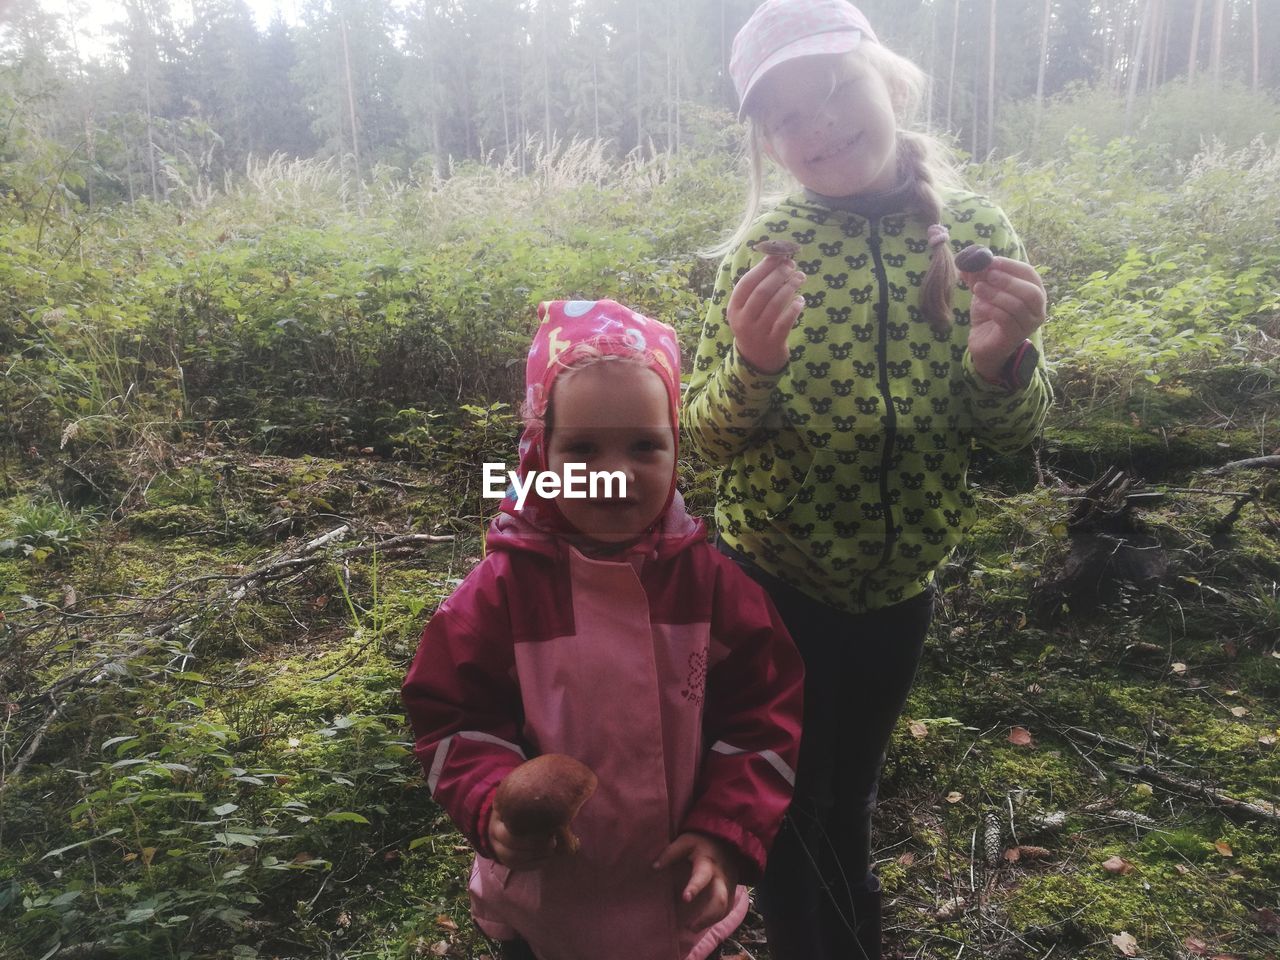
[991, 835]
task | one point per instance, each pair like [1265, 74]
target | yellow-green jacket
[845, 473]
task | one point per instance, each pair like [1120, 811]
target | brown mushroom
[777, 248]
[542, 796]
[974, 258]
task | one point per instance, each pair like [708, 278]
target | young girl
[609, 629]
[840, 381]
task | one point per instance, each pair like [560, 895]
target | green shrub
[1175, 121]
[41, 530]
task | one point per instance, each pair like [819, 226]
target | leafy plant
[41, 530]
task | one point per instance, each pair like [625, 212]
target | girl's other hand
[1008, 306]
[762, 311]
[520, 851]
[713, 877]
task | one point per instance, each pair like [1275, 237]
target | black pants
[818, 896]
[514, 950]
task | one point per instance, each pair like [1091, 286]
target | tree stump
[1110, 552]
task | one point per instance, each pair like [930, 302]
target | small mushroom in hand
[542, 796]
[777, 248]
[974, 258]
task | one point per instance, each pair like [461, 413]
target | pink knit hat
[782, 30]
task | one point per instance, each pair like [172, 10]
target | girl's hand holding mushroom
[520, 851]
[533, 807]
[1008, 306]
[762, 310]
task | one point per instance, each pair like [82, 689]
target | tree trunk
[1135, 62]
[1215, 45]
[1044, 62]
[668, 80]
[147, 63]
[502, 95]
[468, 114]
[151, 147]
[522, 130]
[351, 98]
[1257, 49]
[89, 154]
[639, 85]
[725, 82]
[991, 80]
[1153, 41]
[128, 173]
[546, 81]
[679, 72]
[951, 79]
[433, 105]
[1164, 48]
[1193, 51]
[932, 58]
[1130, 25]
[975, 115]
[88, 107]
[1109, 47]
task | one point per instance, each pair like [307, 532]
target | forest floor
[205, 753]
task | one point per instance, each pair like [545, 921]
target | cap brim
[835, 42]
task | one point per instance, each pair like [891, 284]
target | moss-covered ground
[197, 765]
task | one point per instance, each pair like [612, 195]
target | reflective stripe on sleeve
[442, 750]
[769, 756]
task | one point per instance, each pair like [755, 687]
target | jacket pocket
[836, 516]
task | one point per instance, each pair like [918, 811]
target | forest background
[264, 297]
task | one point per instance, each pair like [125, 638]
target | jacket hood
[572, 332]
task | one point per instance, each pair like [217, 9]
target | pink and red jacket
[665, 670]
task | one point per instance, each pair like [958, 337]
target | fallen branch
[1225, 523]
[1045, 822]
[240, 587]
[1264, 809]
[400, 544]
[1106, 809]
[85, 951]
[1133, 748]
[1132, 817]
[1252, 463]
[234, 590]
[32, 746]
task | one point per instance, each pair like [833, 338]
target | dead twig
[1101, 740]
[1263, 809]
[1252, 463]
[90, 950]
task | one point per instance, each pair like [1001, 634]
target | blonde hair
[925, 164]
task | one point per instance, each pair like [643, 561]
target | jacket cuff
[483, 796]
[746, 843]
[982, 384]
[755, 381]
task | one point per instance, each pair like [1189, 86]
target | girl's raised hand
[1008, 306]
[763, 308]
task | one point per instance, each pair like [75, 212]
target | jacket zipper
[891, 414]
